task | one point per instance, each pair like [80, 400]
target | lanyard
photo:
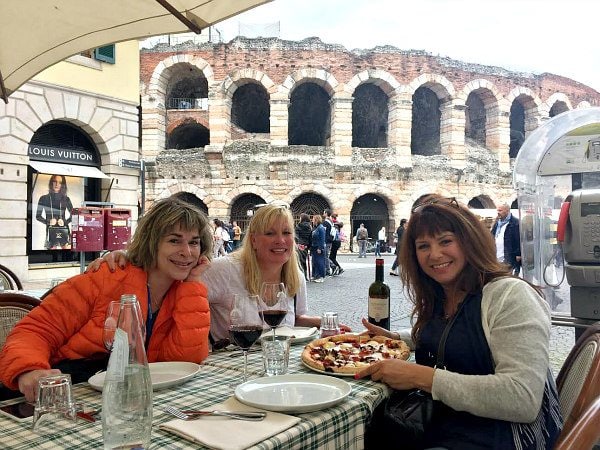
[149, 320]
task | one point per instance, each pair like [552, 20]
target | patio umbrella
[35, 34]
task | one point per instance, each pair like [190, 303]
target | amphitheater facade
[363, 132]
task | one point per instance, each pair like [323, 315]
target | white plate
[288, 331]
[329, 373]
[162, 374]
[293, 393]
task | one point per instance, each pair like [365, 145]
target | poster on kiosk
[556, 175]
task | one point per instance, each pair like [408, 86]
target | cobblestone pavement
[347, 294]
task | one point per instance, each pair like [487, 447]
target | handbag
[406, 414]
[58, 236]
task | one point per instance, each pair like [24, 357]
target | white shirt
[381, 236]
[500, 241]
[223, 279]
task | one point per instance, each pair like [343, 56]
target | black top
[467, 352]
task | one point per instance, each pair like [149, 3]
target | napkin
[230, 434]
[295, 332]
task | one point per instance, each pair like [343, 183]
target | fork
[192, 415]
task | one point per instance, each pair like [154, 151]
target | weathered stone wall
[237, 163]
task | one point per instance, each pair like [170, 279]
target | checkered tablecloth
[339, 427]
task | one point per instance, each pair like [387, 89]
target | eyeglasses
[446, 201]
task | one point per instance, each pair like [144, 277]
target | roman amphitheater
[363, 132]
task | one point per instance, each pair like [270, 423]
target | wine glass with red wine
[245, 323]
[274, 304]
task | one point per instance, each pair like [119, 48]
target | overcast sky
[557, 36]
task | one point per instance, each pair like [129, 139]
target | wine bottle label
[379, 308]
[119, 356]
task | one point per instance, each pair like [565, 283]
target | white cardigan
[516, 324]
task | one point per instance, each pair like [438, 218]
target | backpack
[333, 232]
[225, 235]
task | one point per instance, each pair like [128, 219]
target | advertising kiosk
[557, 179]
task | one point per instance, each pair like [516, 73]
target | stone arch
[489, 95]
[522, 100]
[310, 113]
[380, 78]
[175, 186]
[177, 122]
[554, 99]
[318, 76]
[159, 80]
[481, 201]
[439, 84]
[154, 100]
[240, 77]
[584, 104]
[231, 195]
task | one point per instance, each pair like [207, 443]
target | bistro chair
[578, 381]
[8, 280]
[13, 307]
[585, 432]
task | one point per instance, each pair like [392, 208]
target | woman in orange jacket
[168, 253]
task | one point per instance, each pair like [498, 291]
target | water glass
[330, 324]
[275, 353]
[55, 408]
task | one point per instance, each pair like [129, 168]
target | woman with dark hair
[52, 211]
[335, 246]
[168, 254]
[496, 390]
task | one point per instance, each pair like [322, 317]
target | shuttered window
[106, 54]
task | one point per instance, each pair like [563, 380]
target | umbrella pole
[3, 93]
[188, 23]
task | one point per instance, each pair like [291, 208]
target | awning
[67, 170]
[35, 34]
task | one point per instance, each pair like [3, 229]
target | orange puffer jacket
[68, 324]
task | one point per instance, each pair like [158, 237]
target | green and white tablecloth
[338, 427]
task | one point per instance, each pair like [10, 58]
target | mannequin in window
[52, 211]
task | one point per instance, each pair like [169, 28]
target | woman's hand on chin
[196, 272]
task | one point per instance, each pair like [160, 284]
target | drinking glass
[112, 319]
[54, 406]
[245, 324]
[274, 304]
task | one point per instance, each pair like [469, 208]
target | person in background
[335, 246]
[362, 236]
[399, 233]
[237, 235]
[303, 241]
[381, 242]
[168, 253]
[496, 390]
[507, 238]
[52, 211]
[267, 254]
[329, 236]
[318, 249]
[219, 243]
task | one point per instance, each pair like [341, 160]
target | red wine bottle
[379, 298]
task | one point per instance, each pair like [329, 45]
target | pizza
[350, 353]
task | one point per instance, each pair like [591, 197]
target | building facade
[362, 132]
[62, 136]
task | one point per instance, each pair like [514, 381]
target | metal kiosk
[557, 179]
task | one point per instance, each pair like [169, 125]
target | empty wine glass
[274, 304]
[112, 319]
[245, 324]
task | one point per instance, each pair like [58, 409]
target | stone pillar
[154, 127]
[279, 119]
[497, 135]
[219, 117]
[341, 128]
[399, 128]
[452, 132]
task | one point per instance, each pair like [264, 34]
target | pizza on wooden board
[350, 353]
